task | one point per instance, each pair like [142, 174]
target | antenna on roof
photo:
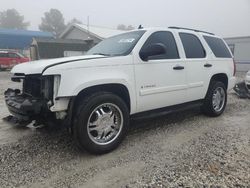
[140, 27]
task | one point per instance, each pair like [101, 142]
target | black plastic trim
[166, 110]
[21, 106]
[196, 30]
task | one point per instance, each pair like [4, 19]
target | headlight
[57, 80]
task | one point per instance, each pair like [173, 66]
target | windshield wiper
[101, 54]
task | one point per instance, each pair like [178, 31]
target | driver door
[161, 80]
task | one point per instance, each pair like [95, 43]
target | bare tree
[74, 21]
[130, 27]
[121, 27]
[11, 19]
[124, 27]
[53, 21]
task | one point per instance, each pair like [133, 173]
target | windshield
[118, 45]
[21, 55]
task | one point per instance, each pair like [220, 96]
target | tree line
[53, 21]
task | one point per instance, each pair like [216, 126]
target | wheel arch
[118, 89]
[222, 77]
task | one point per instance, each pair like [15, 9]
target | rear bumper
[23, 107]
[231, 83]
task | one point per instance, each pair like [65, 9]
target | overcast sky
[223, 17]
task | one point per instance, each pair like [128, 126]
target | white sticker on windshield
[126, 40]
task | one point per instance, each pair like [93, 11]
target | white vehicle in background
[247, 81]
[242, 89]
[145, 72]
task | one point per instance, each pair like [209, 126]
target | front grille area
[32, 85]
[36, 86]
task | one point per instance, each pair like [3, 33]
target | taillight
[234, 67]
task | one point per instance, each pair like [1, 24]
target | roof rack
[196, 30]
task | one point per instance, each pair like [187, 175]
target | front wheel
[216, 99]
[101, 123]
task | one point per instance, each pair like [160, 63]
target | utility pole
[88, 23]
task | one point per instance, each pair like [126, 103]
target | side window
[13, 55]
[3, 55]
[218, 47]
[192, 46]
[167, 39]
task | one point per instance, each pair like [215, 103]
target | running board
[167, 110]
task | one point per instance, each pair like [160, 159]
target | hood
[37, 67]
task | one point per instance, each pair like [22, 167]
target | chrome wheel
[105, 124]
[218, 100]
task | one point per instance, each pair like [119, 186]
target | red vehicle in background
[9, 59]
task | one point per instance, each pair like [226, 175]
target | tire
[95, 117]
[212, 105]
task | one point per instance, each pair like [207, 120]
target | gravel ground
[185, 149]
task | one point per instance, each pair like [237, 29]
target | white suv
[140, 73]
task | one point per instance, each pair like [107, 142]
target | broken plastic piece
[241, 90]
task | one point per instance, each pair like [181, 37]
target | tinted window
[3, 55]
[13, 55]
[218, 47]
[192, 46]
[167, 39]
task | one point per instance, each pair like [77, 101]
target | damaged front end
[36, 99]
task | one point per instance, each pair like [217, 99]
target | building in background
[20, 40]
[42, 48]
[91, 34]
[240, 47]
[75, 40]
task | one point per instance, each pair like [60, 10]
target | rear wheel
[101, 123]
[216, 99]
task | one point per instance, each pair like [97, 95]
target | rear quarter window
[218, 47]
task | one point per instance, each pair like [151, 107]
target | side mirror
[152, 50]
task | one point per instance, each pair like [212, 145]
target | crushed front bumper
[23, 107]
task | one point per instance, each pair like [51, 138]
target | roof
[97, 31]
[235, 40]
[25, 33]
[242, 37]
[59, 41]
[19, 39]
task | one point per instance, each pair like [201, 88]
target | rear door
[160, 81]
[197, 65]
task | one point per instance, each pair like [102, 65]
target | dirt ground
[185, 149]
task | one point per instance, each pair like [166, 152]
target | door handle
[207, 65]
[178, 67]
